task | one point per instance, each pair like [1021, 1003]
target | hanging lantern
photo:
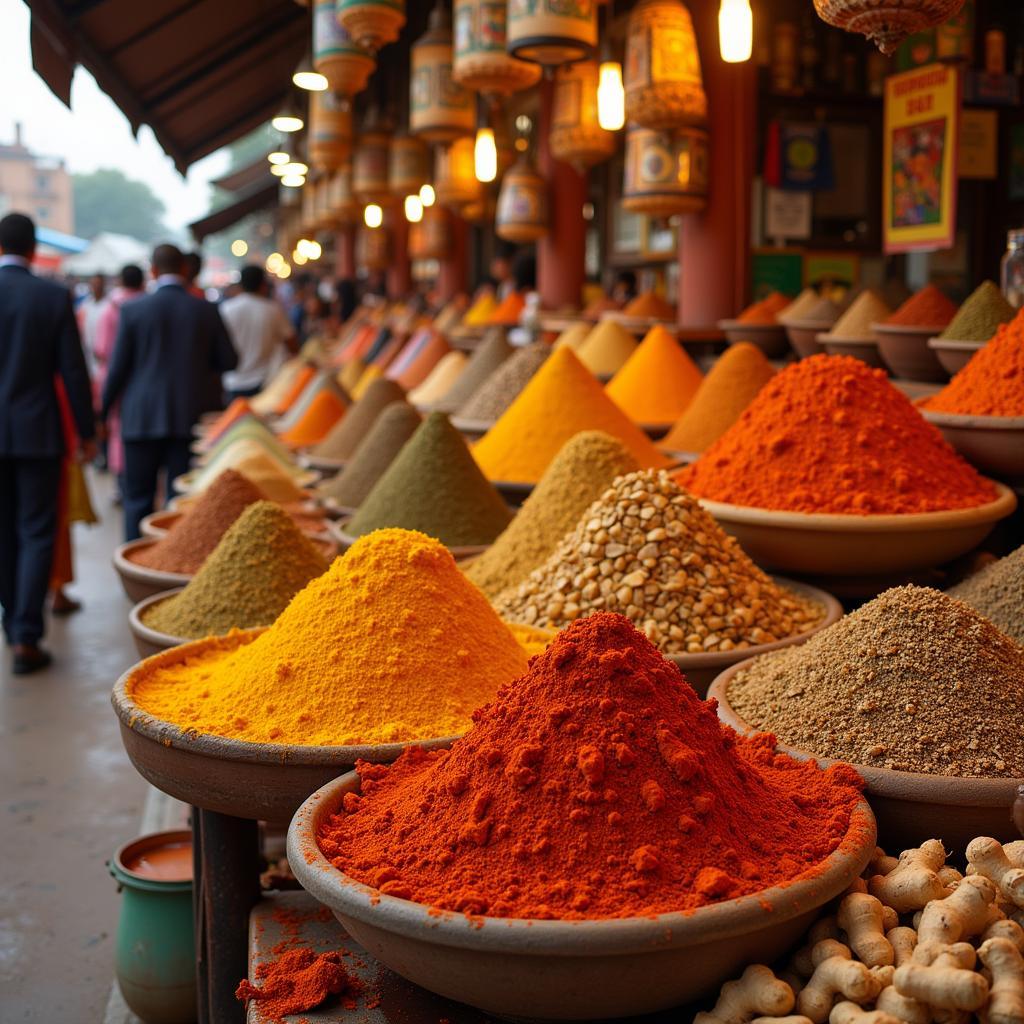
[439, 108]
[430, 239]
[370, 167]
[373, 249]
[408, 166]
[662, 73]
[522, 214]
[576, 135]
[345, 65]
[330, 130]
[323, 217]
[371, 23]
[552, 32]
[342, 203]
[481, 63]
[308, 221]
[886, 22]
[666, 172]
[455, 181]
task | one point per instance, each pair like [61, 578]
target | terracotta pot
[345, 65]
[408, 166]
[440, 109]
[454, 176]
[481, 63]
[886, 22]
[522, 214]
[330, 130]
[552, 32]
[576, 136]
[662, 76]
[371, 23]
[665, 172]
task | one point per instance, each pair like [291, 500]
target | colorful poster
[922, 115]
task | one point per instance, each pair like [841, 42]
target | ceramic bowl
[150, 641]
[769, 338]
[864, 349]
[803, 336]
[906, 352]
[702, 669]
[568, 970]
[261, 781]
[850, 545]
[993, 444]
[910, 807]
[138, 581]
[954, 355]
[159, 524]
[346, 540]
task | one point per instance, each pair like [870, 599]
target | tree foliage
[107, 200]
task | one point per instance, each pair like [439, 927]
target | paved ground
[69, 798]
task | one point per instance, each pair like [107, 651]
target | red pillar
[345, 252]
[561, 252]
[452, 276]
[400, 270]
[714, 246]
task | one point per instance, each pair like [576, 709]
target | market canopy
[256, 198]
[107, 253]
[200, 74]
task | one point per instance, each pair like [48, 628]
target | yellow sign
[922, 115]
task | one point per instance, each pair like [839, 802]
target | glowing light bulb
[735, 31]
[279, 156]
[239, 247]
[485, 155]
[287, 123]
[275, 261]
[413, 209]
[293, 180]
[611, 97]
[427, 195]
[284, 271]
[311, 81]
[298, 258]
[373, 215]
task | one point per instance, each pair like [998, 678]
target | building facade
[35, 185]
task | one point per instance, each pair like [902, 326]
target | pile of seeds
[997, 591]
[502, 387]
[914, 680]
[578, 476]
[648, 550]
[980, 315]
[855, 324]
[261, 563]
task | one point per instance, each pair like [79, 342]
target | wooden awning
[261, 197]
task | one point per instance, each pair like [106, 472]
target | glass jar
[1012, 269]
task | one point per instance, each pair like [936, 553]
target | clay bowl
[326, 467]
[954, 355]
[346, 540]
[702, 669]
[864, 349]
[769, 338]
[261, 781]
[473, 430]
[151, 641]
[159, 524]
[514, 492]
[910, 807]
[656, 431]
[906, 352]
[803, 336]
[568, 970]
[138, 581]
[335, 510]
[993, 444]
[850, 545]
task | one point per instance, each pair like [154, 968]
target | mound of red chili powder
[597, 785]
[296, 981]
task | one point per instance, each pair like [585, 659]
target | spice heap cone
[391, 644]
[925, 308]
[561, 400]
[260, 564]
[830, 434]
[980, 316]
[598, 785]
[436, 487]
[485, 360]
[766, 311]
[440, 379]
[252, 430]
[855, 324]
[344, 438]
[730, 386]
[503, 386]
[577, 476]
[322, 383]
[573, 337]
[997, 591]
[647, 304]
[271, 397]
[273, 479]
[321, 415]
[607, 348]
[800, 306]
[236, 453]
[386, 438]
[657, 382]
[350, 374]
[238, 409]
[992, 383]
[914, 681]
[370, 374]
[198, 532]
[298, 385]
[647, 549]
[415, 373]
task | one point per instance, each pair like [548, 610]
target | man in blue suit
[169, 347]
[38, 341]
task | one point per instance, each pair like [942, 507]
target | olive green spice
[977, 319]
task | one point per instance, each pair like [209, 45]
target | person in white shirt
[260, 331]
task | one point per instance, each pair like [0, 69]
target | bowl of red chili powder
[598, 845]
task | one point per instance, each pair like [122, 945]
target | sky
[50, 129]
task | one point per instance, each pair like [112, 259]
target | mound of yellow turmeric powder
[391, 644]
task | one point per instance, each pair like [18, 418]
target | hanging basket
[330, 130]
[522, 214]
[576, 136]
[666, 173]
[341, 201]
[481, 63]
[370, 168]
[373, 248]
[408, 166]
[455, 181]
[552, 32]
[345, 65]
[440, 109]
[662, 77]
[371, 23]
[886, 22]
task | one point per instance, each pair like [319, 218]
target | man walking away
[168, 344]
[38, 341]
[261, 334]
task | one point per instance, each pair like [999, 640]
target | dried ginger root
[1005, 929]
[881, 863]
[1006, 965]
[862, 918]
[835, 973]
[822, 929]
[903, 940]
[850, 1013]
[915, 880]
[989, 858]
[943, 977]
[966, 911]
[756, 993]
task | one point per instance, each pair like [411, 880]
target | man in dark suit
[168, 346]
[38, 340]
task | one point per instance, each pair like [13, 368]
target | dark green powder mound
[344, 438]
[980, 315]
[502, 388]
[486, 358]
[395, 425]
[436, 487]
[261, 563]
